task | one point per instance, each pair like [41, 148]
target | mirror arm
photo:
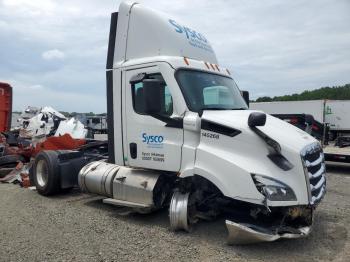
[268, 140]
[275, 154]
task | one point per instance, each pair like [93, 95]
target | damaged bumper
[241, 234]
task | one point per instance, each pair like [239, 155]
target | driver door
[148, 141]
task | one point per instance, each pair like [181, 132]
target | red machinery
[5, 106]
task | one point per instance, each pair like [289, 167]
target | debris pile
[37, 129]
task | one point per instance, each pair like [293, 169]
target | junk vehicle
[331, 122]
[5, 106]
[46, 130]
[40, 122]
[180, 135]
[96, 125]
[26, 115]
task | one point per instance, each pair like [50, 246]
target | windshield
[203, 90]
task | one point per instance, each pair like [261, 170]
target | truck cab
[180, 135]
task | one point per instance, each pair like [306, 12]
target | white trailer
[335, 113]
[312, 107]
[181, 136]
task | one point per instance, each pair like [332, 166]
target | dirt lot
[78, 227]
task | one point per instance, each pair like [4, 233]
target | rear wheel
[46, 173]
[42, 173]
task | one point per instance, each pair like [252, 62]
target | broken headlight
[273, 189]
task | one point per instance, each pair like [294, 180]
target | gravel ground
[79, 227]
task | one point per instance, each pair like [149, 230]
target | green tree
[334, 93]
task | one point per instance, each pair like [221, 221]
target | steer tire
[10, 161]
[46, 173]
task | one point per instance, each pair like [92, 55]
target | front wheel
[179, 211]
[46, 173]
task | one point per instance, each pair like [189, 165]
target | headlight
[273, 189]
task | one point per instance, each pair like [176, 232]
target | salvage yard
[79, 227]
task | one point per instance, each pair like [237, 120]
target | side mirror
[245, 95]
[256, 119]
[309, 119]
[152, 93]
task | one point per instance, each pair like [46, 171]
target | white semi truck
[181, 136]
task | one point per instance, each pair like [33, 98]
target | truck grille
[315, 172]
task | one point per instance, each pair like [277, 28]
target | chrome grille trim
[318, 185]
[320, 172]
[316, 162]
[312, 157]
[319, 196]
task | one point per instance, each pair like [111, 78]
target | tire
[46, 173]
[10, 161]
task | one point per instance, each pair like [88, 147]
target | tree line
[334, 93]
[74, 114]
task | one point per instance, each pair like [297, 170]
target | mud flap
[242, 234]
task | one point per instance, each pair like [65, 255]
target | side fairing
[143, 32]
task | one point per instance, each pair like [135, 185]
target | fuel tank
[123, 186]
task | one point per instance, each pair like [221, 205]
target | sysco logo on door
[153, 140]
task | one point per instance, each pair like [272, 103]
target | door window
[138, 99]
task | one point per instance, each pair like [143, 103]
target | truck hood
[224, 151]
[284, 133]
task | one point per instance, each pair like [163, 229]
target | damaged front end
[241, 234]
[268, 226]
[246, 222]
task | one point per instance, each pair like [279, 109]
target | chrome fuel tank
[130, 186]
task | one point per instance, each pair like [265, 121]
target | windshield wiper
[239, 108]
[215, 108]
[223, 108]
[200, 112]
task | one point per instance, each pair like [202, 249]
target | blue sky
[54, 52]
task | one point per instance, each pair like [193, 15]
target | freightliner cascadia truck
[180, 136]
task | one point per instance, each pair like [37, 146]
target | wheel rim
[178, 211]
[42, 173]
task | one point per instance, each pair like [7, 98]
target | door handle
[133, 150]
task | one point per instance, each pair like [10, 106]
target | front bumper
[241, 234]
